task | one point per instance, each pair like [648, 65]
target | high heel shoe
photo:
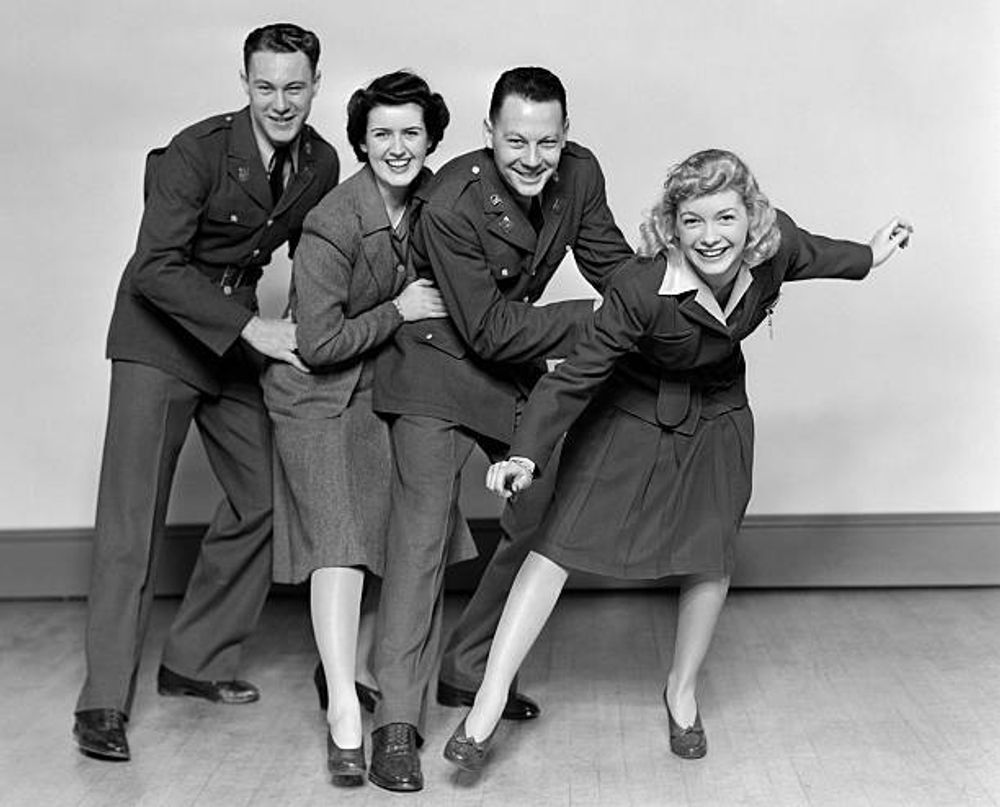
[367, 697]
[467, 753]
[689, 742]
[347, 765]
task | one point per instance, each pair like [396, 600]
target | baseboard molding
[925, 549]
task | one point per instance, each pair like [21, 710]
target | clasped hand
[508, 477]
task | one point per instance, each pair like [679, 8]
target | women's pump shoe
[467, 753]
[347, 765]
[687, 743]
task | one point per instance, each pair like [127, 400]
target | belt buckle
[231, 277]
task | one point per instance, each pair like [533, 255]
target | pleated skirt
[635, 500]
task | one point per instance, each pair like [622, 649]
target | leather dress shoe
[367, 697]
[232, 692]
[100, 733]
[466, 752]
[346, 764]
[395, 762]
[518, 706]
[690, 742]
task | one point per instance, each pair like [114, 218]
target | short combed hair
[396, 89]
[701, 174]
[531, 83]
[282, 37]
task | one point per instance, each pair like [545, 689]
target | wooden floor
[836, 698]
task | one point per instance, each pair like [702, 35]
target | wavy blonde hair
[703, 173]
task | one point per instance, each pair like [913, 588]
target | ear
[487, 133]
[565, 131]
[317, 77]
[245, 82]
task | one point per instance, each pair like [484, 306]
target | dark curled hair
[396, 89]
[532, 83]
[282, 37]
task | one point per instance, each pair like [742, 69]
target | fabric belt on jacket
[232, 277]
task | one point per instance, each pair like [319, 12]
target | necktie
[276, 179]
[535, 214]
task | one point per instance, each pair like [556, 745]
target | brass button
[527, 299]
[256, 252]
[270, 222]
[233, 218]
[504, 272]
[429, 336]
[227, 290]
[475, 169]
[400, 268]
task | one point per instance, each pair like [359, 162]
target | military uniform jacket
[475, 241]
[664, 358]
[207, 229]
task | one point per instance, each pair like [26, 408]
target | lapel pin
[243, 173]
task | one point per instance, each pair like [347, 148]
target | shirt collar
[679, 278]
[266, 148]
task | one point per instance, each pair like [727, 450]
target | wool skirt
[636, 500]
[331, 489]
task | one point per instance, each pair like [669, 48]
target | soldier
[186, 343]
[496, 225]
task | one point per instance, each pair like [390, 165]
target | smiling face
[280, 87]
[527, 138]
[712, 232]
[396, 144]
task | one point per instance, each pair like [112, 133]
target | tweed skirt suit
[333, 463]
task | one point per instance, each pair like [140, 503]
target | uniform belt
[233, 277]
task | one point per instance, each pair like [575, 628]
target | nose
[710, 235]
[396, 146]
[532, 156]
[280, 101]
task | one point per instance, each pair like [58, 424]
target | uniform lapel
[504, 217]
[554, 204]
[244, 163]
[375, 225]
[305, 174]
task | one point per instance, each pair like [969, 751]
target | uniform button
[227, 290]
[527, 299]
[429, 336]
[270, 222]
[504, 272]
[256, 252]
[475, 169]
[233, 218]
[400, 268]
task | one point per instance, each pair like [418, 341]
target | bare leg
[366, 634]
[532, 597]
[335, 601]
[699, 604]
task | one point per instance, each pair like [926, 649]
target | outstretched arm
[890, 237]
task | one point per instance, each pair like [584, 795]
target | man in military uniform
[185, 343]
[496, 224]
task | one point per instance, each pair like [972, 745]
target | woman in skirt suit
[655, 474]
[351, 289]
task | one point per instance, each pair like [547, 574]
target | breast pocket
[435, 334]
[674, 349]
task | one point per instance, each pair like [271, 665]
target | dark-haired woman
[656, 468]
[351, 289]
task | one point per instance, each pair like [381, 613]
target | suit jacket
[344, 277]
[664, 358]
[474, 240]
[208, 215]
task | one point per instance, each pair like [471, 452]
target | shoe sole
[454, 700]
[464, 764]
[395, 787]
[183, 692]
[107, 756]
